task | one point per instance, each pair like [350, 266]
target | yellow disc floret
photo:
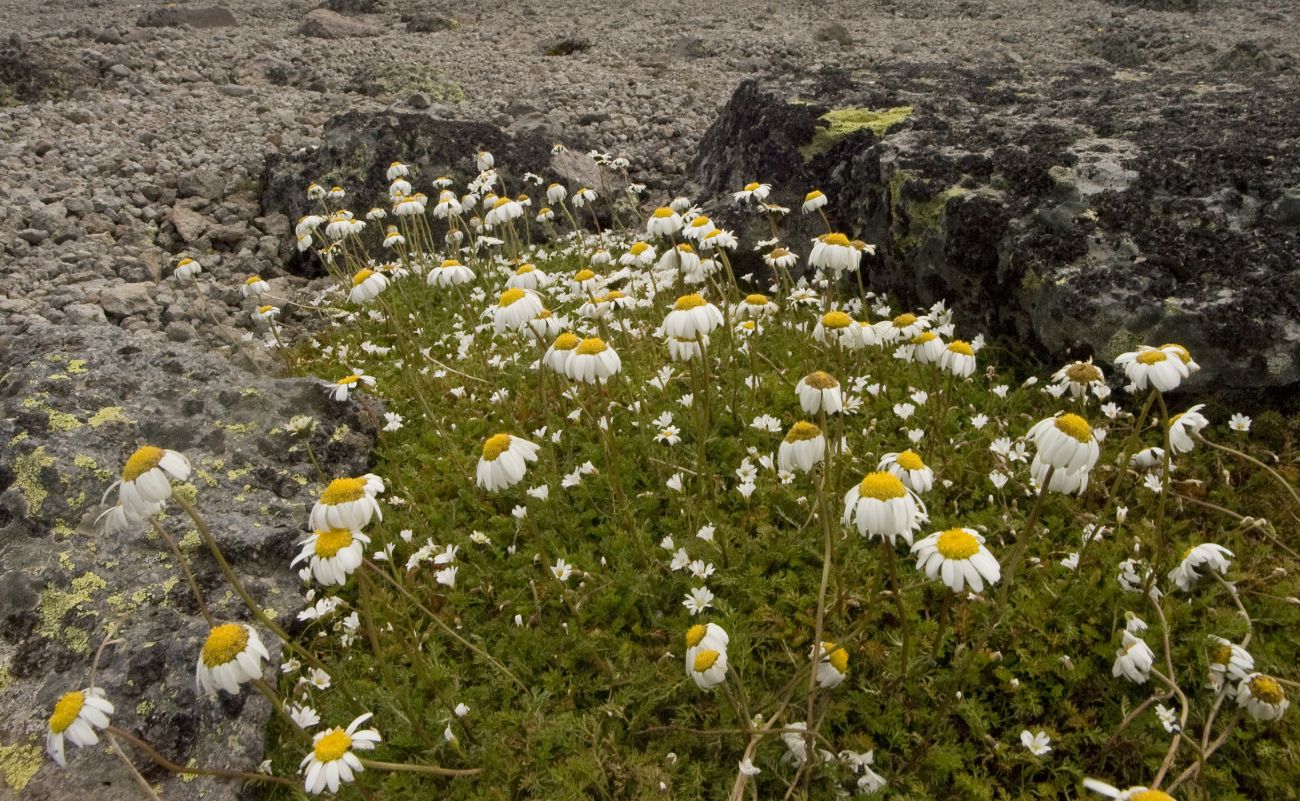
[361, 275]
[141, 462]
[904, 320]
[343, 490]
[1074, 426]
[584, 275]
[909, 460]
[511, 296]
[66, 710]
[224, 643]
[329, 543]
[566, 341]
[1221, 654]
[837, 239]
[705, 659]
[495, 445]
[1151, 795]
[1266, 689]
[1183, 353]
[1150, 357]
[591, 346]
[756, 300]
[688, 302]
[332, 746]
[663, 212]
[882, 487]
[819, 379]
[802, 431]
[956, 543]
[836, 319]
[923, 337]
[838, 657]
[695, 635]
[1083, 373]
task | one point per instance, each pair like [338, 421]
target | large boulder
[191, 16]
[1072, 214]
[321, 23]
[74, 403]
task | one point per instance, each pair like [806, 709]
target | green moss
[1122, 341]
[916, 220]
[27, 470]
[406, 77]
[1030, 280]
[19, 763]
[842, 122]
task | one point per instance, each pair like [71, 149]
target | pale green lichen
[6, 678]
[108, 414]
[77, 366]
[19, 763]
[56, 604]
[842, 122]
[84, 462]
[1122, 341]
[27, 472]
[339, 433]
[916, 220]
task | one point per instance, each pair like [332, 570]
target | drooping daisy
[1229, 663]
[836, 328]
[187, 269]
[1207, 555]
[561, 350]
[755, 307]
[592, 361]
[1156, 367]
[331, 761]
[640, 254]
[1183, 426]
[527, 276]
[232, 655]
[546, 325]
[819, 391]
[503, 210]
[504, 461]
[902, 328]
[958, 358]
[146, 485]
[708, 668]
[908, 466]
[663, 222]
[959, 556]
[803, 448]
[515, 307]
[1183, 354]
[556, 193]
[76, 716]
[254, 286]
[1065, 442]
[697, 227]
[883, 507]
[692, 316]
[927, 348]
[366, 286]
[342, 224]
[583, 196]
[684, 350]
[449, 273]
[834, 254]
[1134, 659]
[1079, 377]
[705, 636]
[343, 388]
[1131, 794]
[813, 201]
[1262, 696]
[752, 191]
[833, 666]
[333, 554]
[348, 503]
[393, 237]
[779, 257]
[1066, 482]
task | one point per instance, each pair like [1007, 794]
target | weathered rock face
[32, 71]
[74, 403]
[193, 16]
[321, 23]
[1078, 215]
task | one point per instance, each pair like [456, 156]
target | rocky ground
[133, 133]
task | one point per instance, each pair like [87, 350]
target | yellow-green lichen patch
[186, 492]
[27, 471]
[339, 433]
[56, 604]
[108, 414]
[841, 122]
[84, 462]
[77, 366]
[18, 764]
[6, 678]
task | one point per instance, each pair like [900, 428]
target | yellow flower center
[749, 325]
[224, 643]
[904, 320]
[525, 269]
[500, 202]
[1183, 354]
[1151, 357]
[336, 189]
[909, 460]
[66, 711]
[611, 295]
[343, 490]
[360, 276]
[332, 746]
[663, 212]
[1173, 421]
[349, 380]
[701, 221]
[330, 542]
[1266, 689]
[1074, 426]
[839, 658]
[584, 275]
[450, 263]
[565, 341]
[837, 239]
[510, 296]
[802, 431]
[638, 248]
[591, 346]
[695, 635]
[184, 262]
[882, 487]
[956, 543]
[1221, 654]
[705, 659]
[819, 379]
[687, 302]
[1083, 373]
[685, 248]
[778, 253]
[544, 314]
[813, 195]
[495, 445]
[1151, 795]
[923, 337]
[836, 319]
[756, 300]
[252, 279]
[750, 187]
[265, 309]
[141, 462]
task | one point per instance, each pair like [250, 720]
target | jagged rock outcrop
[1076, 215]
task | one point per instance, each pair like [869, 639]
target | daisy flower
[959, 555]
[752, 191]
[958, 358]
[1206, 555]
[669, 435]
[663, 222]
[76, 716]
[640, 255]
[333, 554]
[366, 286]
[515, 307]
[1229, 662]
[708, 668]
[902, 328]
[833, 666]
[232, 655]
[1079, 377]
[883, 507]
[561, 350]
[927, 347]
[449, 273]
[1131, 794]
[813, 201]
[692, 316]
[583, 196]
[146, 483]
[187, 269]
[704, 636]
[347, 503]
[527, 276]
[1183, 426]
[755, 307]
[331, 761]
[834, 254]
[254, 286]
[835, 328]
[1262, 697]
[684, 350]
[803, 448]
[1239, 423]
[819, 391]
[1134, 659]
[908, 466]
[342, 389]
[1065, 442]
[780, 257]
[556, 193]
[504, 461]
[592, 361]
[1161, 368]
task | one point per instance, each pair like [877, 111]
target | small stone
[189, 224]
[193, 16]
[84, 314]
[125, 300]
[833, 32]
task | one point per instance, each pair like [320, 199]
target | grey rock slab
[322, 23]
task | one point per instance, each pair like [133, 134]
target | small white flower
[1037, 744]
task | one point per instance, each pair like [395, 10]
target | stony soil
[123, 145]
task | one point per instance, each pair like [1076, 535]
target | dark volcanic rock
[353, 6]
[193, 16]
[1074, 216]
[321, 23]
[32, 71]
